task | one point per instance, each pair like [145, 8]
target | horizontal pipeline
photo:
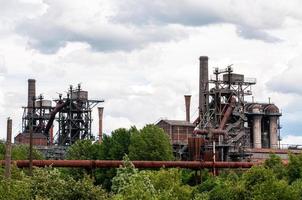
[138, 164]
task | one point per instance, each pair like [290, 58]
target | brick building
[178, 131]
[38, 139]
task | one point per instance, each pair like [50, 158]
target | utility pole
[8, 149]
[214, 158]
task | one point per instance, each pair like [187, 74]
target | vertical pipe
[171, 136]
[203, 85]
[101, 111]
[257, 131]
[31, 93]
[214, 158]
[8, 149]
[177, 135]
[273, 132]
[188, 103]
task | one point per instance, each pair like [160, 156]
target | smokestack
[31, 94]
[101, 110]
[188, 103]
[8, 149]
[203, 84]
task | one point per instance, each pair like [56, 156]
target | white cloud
[148, 65]
[291, 140]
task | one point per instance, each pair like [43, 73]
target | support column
[273, 129]
[257, 132]
[100, 110]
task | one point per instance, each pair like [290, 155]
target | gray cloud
[55, 28]
[251, 33]
[105, 38]
[252, 18]
[134, 24]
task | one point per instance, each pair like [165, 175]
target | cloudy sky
[141, 56]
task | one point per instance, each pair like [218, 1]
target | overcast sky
[141, 56]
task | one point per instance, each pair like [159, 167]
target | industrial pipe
[137, 164]
[228, 113]
[223, 122]
[60, 105]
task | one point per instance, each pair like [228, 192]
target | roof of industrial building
[35, 135]
[177, 122]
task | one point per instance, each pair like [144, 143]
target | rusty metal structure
[228, 128]
[72, 114]
[91, 164]
[37, 112]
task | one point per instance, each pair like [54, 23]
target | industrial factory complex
[72, 114]
[228, 128]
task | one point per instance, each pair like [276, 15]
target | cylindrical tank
[274, 132]
[257, 127]
[273, 111]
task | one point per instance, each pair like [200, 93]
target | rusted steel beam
[137, 164]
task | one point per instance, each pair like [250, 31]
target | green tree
[119, 143]
[257, 175]
[150, 143]
[113, 147]
[158, 185]
[294, 168]
[51, 184]
[83, 150]
[296, 189]
[275, 164]
[272, 190]
[20, 152]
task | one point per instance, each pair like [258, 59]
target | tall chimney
[188, 103]
[203, 85]
[31, 94]
[8, 149]
[101, 110]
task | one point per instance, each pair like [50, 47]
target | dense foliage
[151, 140]
[20, 152]
[49, 184]
[271, 181]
